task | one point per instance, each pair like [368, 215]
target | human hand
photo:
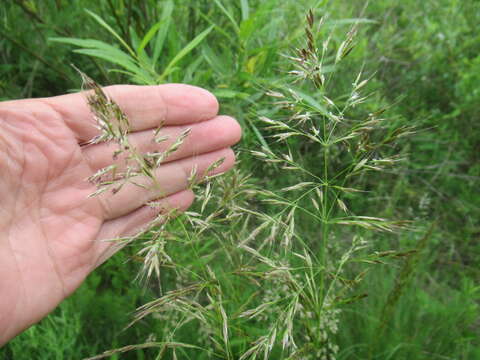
[50, 230]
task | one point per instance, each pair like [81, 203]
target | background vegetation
[424, 58]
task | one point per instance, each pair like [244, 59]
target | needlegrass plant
[351, 116]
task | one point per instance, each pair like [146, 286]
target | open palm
[50, 230]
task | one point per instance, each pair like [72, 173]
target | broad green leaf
[110, 30]
[181, 54]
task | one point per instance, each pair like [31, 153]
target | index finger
[145, 106]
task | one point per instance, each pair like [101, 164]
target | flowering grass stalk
[243, 274]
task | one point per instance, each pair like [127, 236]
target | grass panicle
[289, 256]
[297, 288]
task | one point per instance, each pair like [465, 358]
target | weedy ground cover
[282, 258]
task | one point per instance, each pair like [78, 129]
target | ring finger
[170, 178]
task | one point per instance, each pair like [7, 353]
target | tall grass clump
[240, 278]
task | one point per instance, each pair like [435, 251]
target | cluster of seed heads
[297, 290]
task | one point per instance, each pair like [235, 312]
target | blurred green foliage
[426, 54]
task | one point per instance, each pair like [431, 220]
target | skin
[50, 231]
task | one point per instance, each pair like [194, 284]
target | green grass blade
[259, 136]
[101, 54]
[187, 49]
[351, 21]
[134, 38]
[109, 52]
[218, 28]
[140, 79]
[149, 35]
[245, 9]
[102, 22]
[217, 63]
[228, 15]
[142, 57]
[163, 30]
[87, 43]
[312, 102]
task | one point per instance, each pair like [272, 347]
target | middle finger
[207, 136]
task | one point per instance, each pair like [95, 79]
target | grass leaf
[228, 15]
[245, 9]
[107, 55]
[162, 30]
[102, 22]
[187, 49]
[149, 35]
